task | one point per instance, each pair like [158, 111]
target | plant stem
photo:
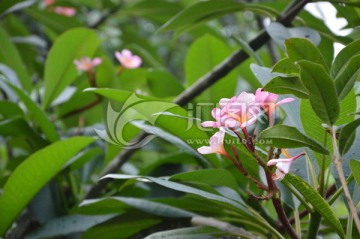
[338, 164]
[313, 225]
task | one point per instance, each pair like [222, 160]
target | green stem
[340, 190]
[314, 225]
[338, 164]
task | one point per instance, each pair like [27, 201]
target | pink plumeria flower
[282, 164]
[87, 64]
[65, 11]
[49, 2]
[216, 144]
[236, 112]
[127, 59]
[268, 102]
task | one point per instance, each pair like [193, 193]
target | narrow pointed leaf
[344, 56]
[318, 202]
[287, 85]
[283, 136]
[322, 92]
[347, 136]
[29, 177]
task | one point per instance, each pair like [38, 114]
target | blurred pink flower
[282, 164]
[216, 144]
[268, 100]
[127, 59]
[49, 2]
[87, 64]
[65, 11]
[236, 112]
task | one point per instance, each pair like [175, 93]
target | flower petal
[205, 150]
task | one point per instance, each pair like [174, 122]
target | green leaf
[147, 206]
[123, 226]
[283, 136]
[346, 78]
[18, 127]
[287, 85]
[286, 66]
[217, 177]
[10, 109]
[302, 49]
[203, 55]
[347, 136]
[318, 202]
[60, 70]
[53, 21]
[10, 56]
[345, 55]
[186, 189]
[29, 177]
[201, 12]
[6, 4]
[322, 92]
[38, 115]
[163, 84]
[66, 225]
[355, 168]
[188, 233]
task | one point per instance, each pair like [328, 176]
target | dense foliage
[178, 119]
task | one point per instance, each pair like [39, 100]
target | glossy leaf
[347, 136]
[346, 78]
[283, 136]
[24, 183]
[10, 57]
[72, 45]
[317, 202]
[287, 85]
[302, 49]
[355, 168]
[322, 92]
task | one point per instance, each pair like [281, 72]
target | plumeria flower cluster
[64, 11]
[236, 115]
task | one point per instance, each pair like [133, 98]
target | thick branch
[203, 83]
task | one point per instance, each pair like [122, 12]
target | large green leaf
[33, 174]
[322, 92]
[10, 56]
[346, 78]
[38, 115]
[287, 85]
[283, 136]
[318, 202]
[347, 136]
[60, 70]
[203, 55]
[201, 12]
[302, 49]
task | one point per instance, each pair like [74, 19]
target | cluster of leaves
[194, 53]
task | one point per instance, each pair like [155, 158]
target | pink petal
[135, 62]
[96, 61]
[276, 161]
[216, 113]
[284, 167]
[118, 56]
[126, 53]
[209, 124]
[205, 150]
[286, 100]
